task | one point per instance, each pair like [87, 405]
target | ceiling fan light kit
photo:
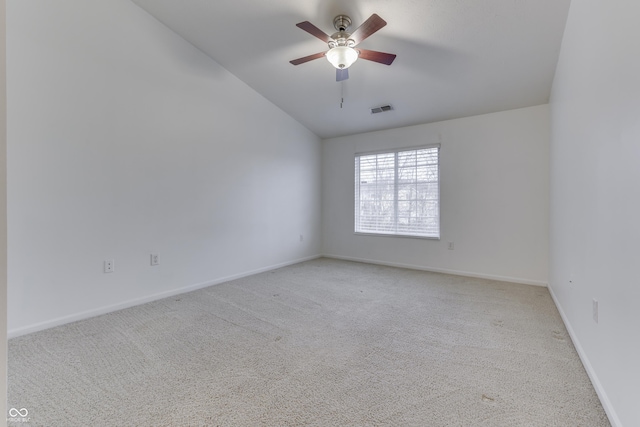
[342, 53]
[342, 56]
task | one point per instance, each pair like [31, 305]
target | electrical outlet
[450, 247]
[301, 237]
[155, 259]
[109, 266]
[595, 310]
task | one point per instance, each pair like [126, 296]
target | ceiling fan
[342, 52]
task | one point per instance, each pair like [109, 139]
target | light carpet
[320, 343]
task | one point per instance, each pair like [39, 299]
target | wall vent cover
[381, 109]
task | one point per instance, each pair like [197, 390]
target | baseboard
[604, 399]
[138, 301]
[442, 270]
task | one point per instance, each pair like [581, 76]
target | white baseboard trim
[442, 270]
[138, 301]
[604, 399]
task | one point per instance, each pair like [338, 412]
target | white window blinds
[398, 193]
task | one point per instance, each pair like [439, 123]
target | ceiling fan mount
[342, 23]
[342, 52]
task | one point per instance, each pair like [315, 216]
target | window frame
[355, 193]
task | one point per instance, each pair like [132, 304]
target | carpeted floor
[321, 343]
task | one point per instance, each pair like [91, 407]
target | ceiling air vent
[381, 109]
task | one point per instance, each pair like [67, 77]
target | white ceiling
[456, 58]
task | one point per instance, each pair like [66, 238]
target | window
[397, 193]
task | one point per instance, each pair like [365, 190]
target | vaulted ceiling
[455, 58]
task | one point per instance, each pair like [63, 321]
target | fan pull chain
[341, 93]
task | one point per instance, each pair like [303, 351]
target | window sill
[410, 236]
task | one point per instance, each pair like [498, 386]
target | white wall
[595, 197]
[494, 197]
[124, 140]
[3, 217]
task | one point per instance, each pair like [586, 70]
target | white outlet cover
[109, 266]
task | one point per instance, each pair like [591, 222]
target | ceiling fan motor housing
[341, 39]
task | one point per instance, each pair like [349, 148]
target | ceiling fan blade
[314, 31]
[381, 57]
[342, 74]
[307, 58]
[368, 27]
